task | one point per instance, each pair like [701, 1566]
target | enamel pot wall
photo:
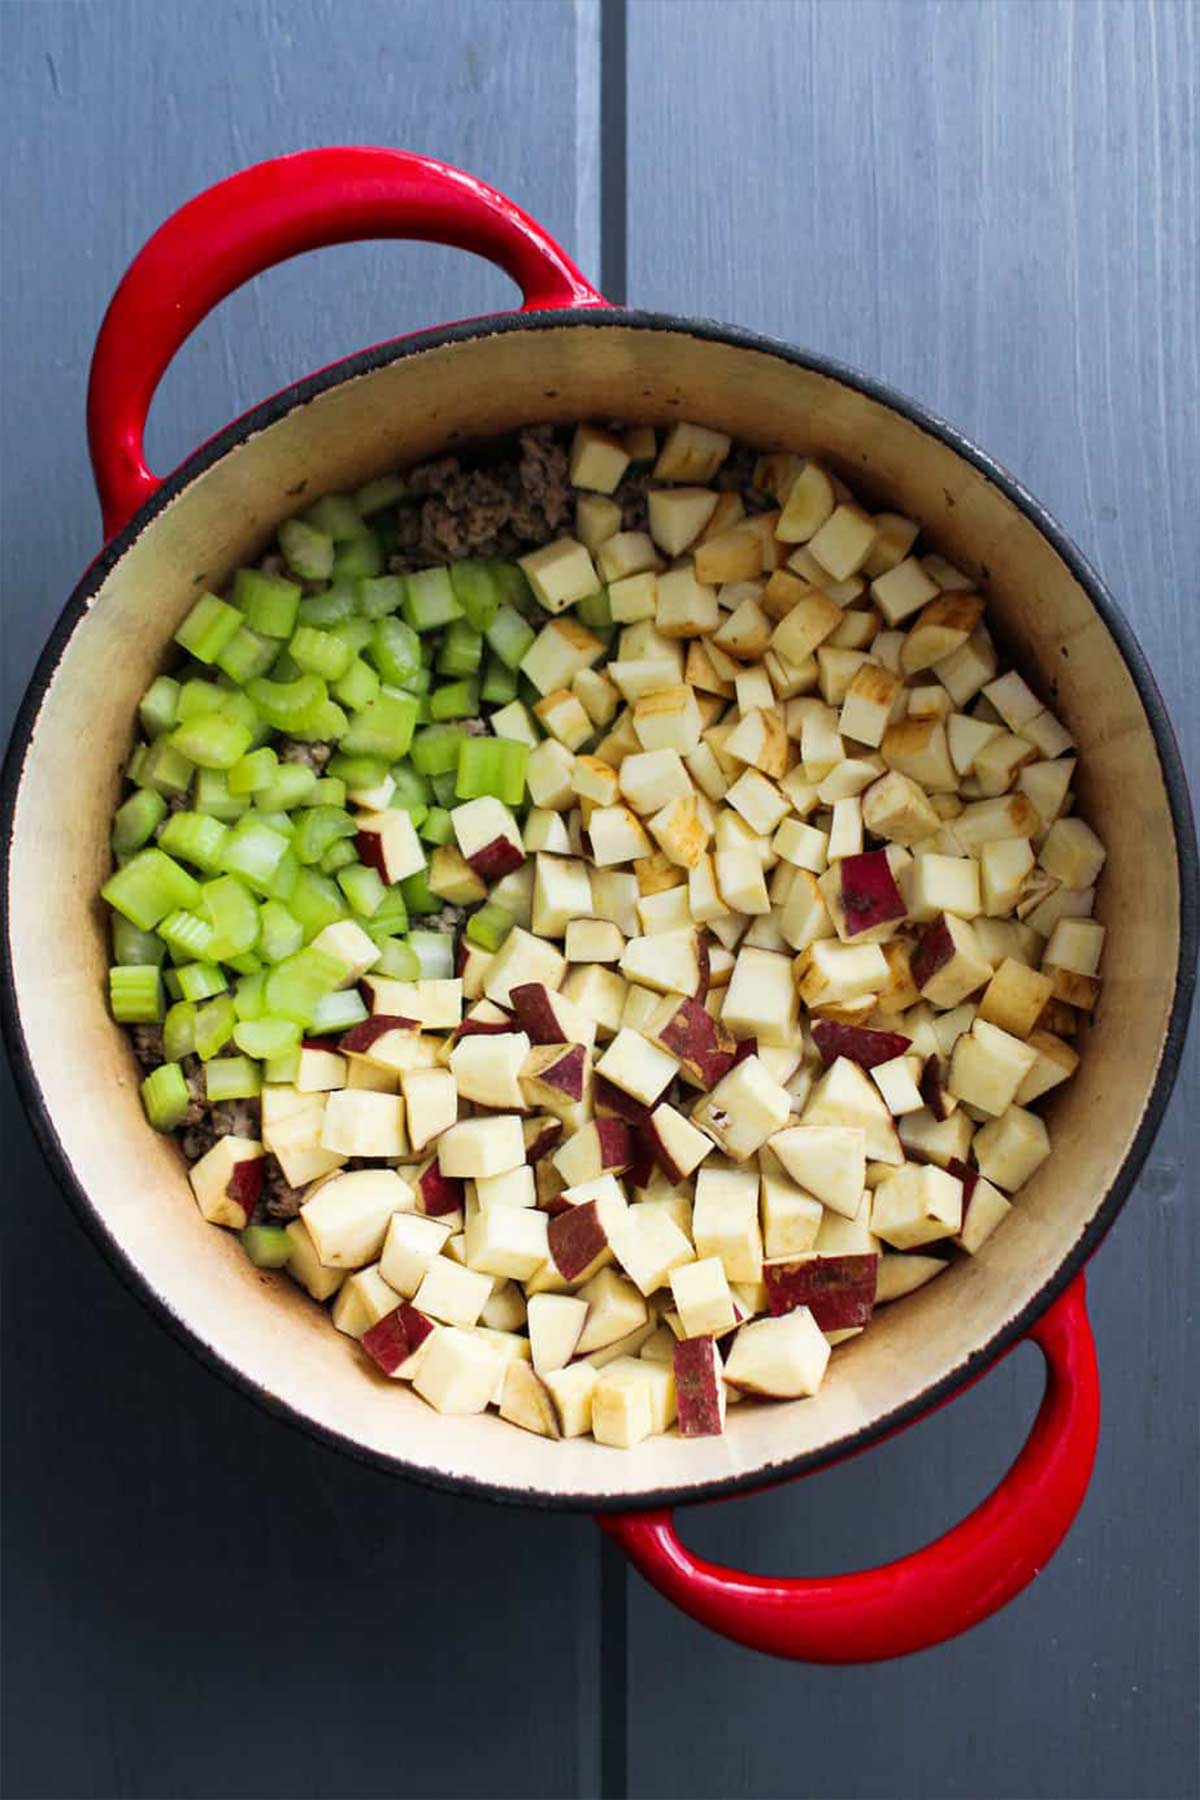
[566, 355]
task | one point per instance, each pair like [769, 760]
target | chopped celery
[268, 602]
[325, 726]
[461, 650]
[212, 741]
[395, 650]
[510, 636]
[411, 789]
[135, 995]
[390, 916]
[320, 653]
[232, 1078]
[511, 580]
[418, 813]
[212, 796]
[435, 750]
[291, 785]
[337, 515]
[454, 700]
[195, 838]
[280, 934]
[358, 772]
[248, 996]
[337, 1012]
[157, 709]
[329, 791]
[136, 763]
[179, 1031]
[489, 926]
[187, 936]
[356, 632]
[136, 819]
[429, 601]
[383, 491]
[494, 766]
[363, 887]
[150, 886]
[398, 960]
[247, 963]
[208, 628]
[247, 654]
[443, 790]
[253, 771]
[297, 984]
[288, 705]
[378, 595]
[434, 951]
[200, 980]
[499, 683]
[333, 607]
[165, 1097]
[477, 592]
[233, 913]
[338, 856]
[307, 550]
[419, 682]
[594, 610]
[318, 828]
[383, 728]
[165, 769]
[252, 851]
[418, 895]
[265, 1037]
[131, 946]
[359, 556]
[284, 1067]
[358, 686]
[214, 1026]
[316, 901]
[267, 1246]
[283, 882]
[437, 827]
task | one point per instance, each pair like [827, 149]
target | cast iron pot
[568, 355]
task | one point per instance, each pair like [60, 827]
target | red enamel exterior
[210, 247]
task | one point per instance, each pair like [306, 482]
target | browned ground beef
[472, 507]
[279, 1201]
[630, 496]
[147, 1044]
[309, 756]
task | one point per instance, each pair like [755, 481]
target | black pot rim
[705, 330]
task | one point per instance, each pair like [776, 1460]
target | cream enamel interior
[264, 1326]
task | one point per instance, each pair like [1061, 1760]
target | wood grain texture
[199, 1601]
[996, 208]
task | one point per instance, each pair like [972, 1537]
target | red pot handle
[922, 1599]
[261, 217]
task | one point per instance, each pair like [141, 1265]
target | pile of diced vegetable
[772, 923]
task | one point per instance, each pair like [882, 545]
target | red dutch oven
[566, 355]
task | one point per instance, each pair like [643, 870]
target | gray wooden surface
[995, 207]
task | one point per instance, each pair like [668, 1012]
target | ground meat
[236, 1118]
[630, 496]
[475, 727]
[178, 803]
[147, 1043]
[545, 496]
[273, 564]
[488, 505]
[203, 1123]
[449, 919]
[310, 756]
[279, 1201]
[465, 514]
[198, 1139]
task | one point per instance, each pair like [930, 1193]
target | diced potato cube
[560, 574]
[598, 459]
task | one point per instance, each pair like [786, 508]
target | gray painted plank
[200, 1602]
[995, 207]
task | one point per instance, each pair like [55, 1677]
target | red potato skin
[933, 952]
[369, 845]
[661, 1155]
[498, 858]
[645, 1155]
[615, 1142]
[704, 964]
[359, 1039]
[416, 1326]
[440, 1194]
[694, 1036]
[969, 1178]
[486, 1028]
[566, 1075]
[613, 1103]
[541, 1136]
[858, 1043]
[932, 1086]
[387, 1342]
[839, 1291]
[576, 1237]
[747, 1046]
[244, 1186]
[697, 1387]
[868, 892]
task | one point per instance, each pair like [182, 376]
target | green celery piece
[208, 628]
[356, 632]
[135, 996]
[213, 741]
[165, 769]
[158, 707]
[461, 650]
[267, 1246]
[214, 1026]
[419, 813]
[248, 963]
[252, 852]
[384, 490]
[255, 770]
[231, 1078]
[268, 602]
[364, 888]
[131, 946]
[187, 936]
[179, 1031]
[595, 611]
[443, 791]
[325, 727]
[411, 789]
[419, 683]
[477, 592]
[329, 791]
[429, 601]
[378, 595]
[280, 934]
[492, 766]
[233, 913]
[284, 880]
[136, 763]
[148, 887]
[288, 705]
[248, 996]
[499, 683]
[200, 980]
[397, 960]
[395, 650]
[247, 654]
[320, 653]
[296, 985]
[266, 1037]
[358, 686]
[318, 828]
[360, 556]
[357, 772]
[418, 895]
[290, 786]
[509, 636]
[437, 827]
[434, 951]
[338, 856]
[165, 1097]
[337, 515]
[383, 728]
[338, 1011]
[390, 916]
[513, 584]
[198, 698]
[316, 901]
[195, 838]
[212, 796]
[136, 820]
[454, 700]
[435, 749]
[489, 926]
[335, 606]
[307, 550]
[285, 1067]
